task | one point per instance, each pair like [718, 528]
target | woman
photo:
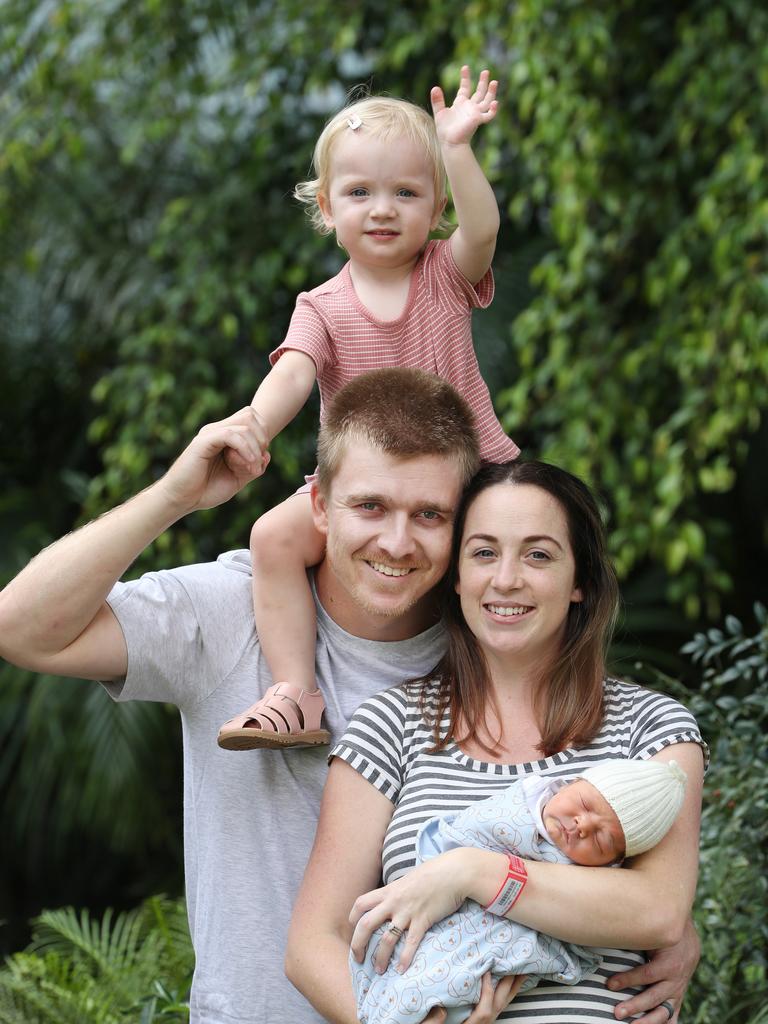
[531, 600]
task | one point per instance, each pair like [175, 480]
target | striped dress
[388, 743]
[433, 333]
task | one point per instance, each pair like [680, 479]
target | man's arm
[474, 241]
[53, 615]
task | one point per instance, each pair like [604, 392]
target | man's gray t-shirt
[249, 816]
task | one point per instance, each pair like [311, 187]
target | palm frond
[80, 970]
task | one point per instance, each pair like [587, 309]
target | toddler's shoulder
[334, 286]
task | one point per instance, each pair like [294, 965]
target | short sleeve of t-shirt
[184, 629]
[374, 741]
[658, 721]
[448, 286]
[307, 333]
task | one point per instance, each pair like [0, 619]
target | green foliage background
[134, 966]
[150, 256]
[731, 984]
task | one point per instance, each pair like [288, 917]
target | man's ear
[439, 207]
[319, 509]
[324, 206]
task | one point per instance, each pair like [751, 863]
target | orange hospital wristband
[511, 887]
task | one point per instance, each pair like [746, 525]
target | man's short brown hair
[403, 412]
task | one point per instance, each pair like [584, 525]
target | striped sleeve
[449, 286]
[307, 333]
[374, 740]
[660, 721]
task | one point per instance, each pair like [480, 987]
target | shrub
[731, 706]
[133, 966]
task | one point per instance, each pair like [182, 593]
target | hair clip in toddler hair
[354, 123]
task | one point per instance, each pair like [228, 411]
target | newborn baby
[613, 810]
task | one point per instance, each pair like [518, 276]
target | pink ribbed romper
[434, 333]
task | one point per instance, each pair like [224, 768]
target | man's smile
[389, 570]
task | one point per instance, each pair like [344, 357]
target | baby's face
[380, 198]
[581, 823]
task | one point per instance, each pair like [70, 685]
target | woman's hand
[492, 1001]
[412, 904]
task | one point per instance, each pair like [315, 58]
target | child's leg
[284, 543]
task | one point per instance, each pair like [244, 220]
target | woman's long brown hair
[569, 695]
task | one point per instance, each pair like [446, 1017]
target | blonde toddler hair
[385, 118]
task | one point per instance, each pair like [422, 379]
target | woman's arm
[345, 862]
[645, 906]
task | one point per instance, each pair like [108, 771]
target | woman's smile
[516, 573]
[516, 611]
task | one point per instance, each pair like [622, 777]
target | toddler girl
[400, 300]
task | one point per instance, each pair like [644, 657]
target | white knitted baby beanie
[646, 796]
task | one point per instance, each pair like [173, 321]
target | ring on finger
[669, 1008]
[397, 932]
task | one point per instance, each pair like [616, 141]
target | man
[394, 453]
[395, 450]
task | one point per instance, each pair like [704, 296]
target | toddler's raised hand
[458, 123]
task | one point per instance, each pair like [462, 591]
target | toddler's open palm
[458, 123]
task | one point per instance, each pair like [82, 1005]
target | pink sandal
[286, 716]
